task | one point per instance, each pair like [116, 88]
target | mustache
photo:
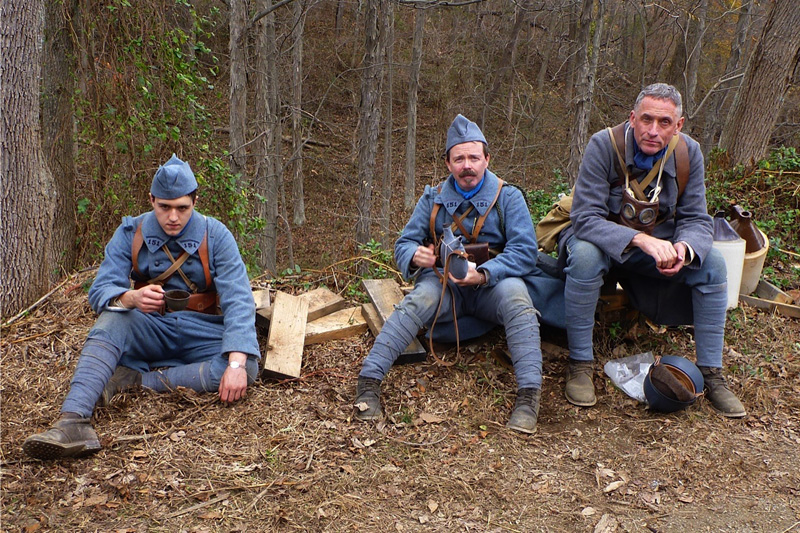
[467, 172]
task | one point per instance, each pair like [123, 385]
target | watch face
[235, 364]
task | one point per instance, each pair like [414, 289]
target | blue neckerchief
[644, 161]
[469, 194]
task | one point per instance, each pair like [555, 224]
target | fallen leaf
[575, 454]
[362, 406]
[431, 418]
[685, 498]
[178, 435]
[432, 506]
[611, 487]
[348, 469]
[607, 524]
[589, 511]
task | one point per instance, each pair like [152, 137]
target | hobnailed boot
[722, 399]
[526, 411]
[71, 436]
[580, 387]
[122, 379]
[368, 399]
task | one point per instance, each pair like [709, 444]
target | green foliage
[540, 201]
[379, 259]
[148, 93]
[769, 191]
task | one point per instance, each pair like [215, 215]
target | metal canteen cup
[451, 244]
[176, 300]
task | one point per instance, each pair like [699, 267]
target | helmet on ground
[672, 383]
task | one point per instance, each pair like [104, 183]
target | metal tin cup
[176, 300]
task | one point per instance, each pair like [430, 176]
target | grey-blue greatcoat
[191, 348]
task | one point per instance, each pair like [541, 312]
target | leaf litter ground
[291, 457]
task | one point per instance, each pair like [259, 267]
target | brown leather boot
[580, 387]
[717, 392]
[123, 378]
[526, 411]
[71, 436]
[368, 399]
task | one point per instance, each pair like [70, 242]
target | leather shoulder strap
[476, 230]
[682, 164]
[136, 246]
[434, 212]
[617, 137]
[203, 251]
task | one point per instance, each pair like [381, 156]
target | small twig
[791, 527]
[197, 506]
[34, 336]
[793, 254]
[36, 303]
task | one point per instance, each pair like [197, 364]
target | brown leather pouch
[478, 252]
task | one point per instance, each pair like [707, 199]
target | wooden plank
[338, 325]
[385, 294]
[372, 317]
[321, 302]
[287, 331]
[261, 298]
[784, 309]
[767, 291]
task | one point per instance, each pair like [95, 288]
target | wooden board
[287, 333]
[261, 298]
[321, 302]
[784, 309]
[767, 291]
[374, 321]
[385, 294]
[338, 325]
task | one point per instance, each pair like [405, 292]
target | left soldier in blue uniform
[211, 346]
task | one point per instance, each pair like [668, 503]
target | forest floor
[290, 457]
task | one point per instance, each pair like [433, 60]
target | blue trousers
[586, 266]
[506, 303]
[185, 347]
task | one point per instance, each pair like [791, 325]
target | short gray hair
[661, 91]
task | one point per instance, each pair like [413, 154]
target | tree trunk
[28, 190]
[266, 120]
[386, 182]
[504, 72]
[760, 97]
[409, 195]
[297, 109]
[369, 119]
[58, 88]
[584, 83]
[714, 116]
[238, 86]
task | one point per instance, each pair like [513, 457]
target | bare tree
[387, 38]
[238, 85]
[267, 123]
[28, 190]
[413, 90]
[299, 210]
[369, 120]
[584, 82]
[769, 72]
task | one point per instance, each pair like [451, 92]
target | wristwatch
[235, 364]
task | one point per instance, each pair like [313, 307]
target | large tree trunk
[504, 73]
[58, 87]
[584, 84]
[409, 190]
[369, 120]
[299, 211]
[714, 117]
[238, 85]
[28, 196]
[760, 97]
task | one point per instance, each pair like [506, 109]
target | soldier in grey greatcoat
[676, 256]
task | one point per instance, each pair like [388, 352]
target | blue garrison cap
[463, 130]
[173, 179]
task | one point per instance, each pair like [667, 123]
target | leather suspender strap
[136, 247]
[176, 266]
[476, 230]
[682, 164]
[459, 220]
